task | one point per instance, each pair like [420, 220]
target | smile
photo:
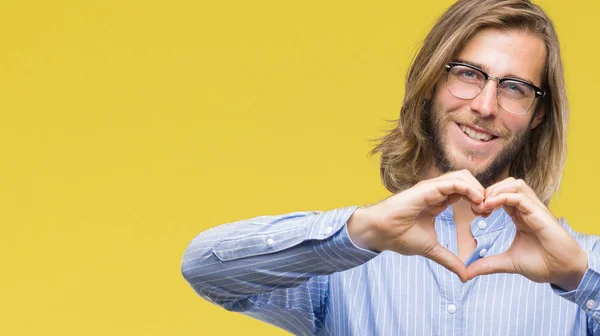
[475, 134]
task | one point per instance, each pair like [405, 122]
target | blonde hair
[405, 151]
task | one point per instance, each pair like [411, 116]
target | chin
[462, 159]
[487, 171]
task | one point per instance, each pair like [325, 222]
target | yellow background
[127, 127]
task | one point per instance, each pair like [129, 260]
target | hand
[542, 250]
[405, 222]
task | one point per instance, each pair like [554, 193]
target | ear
[538, 117]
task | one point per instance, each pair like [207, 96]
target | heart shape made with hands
[542, 250]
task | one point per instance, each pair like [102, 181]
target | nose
[486, 102]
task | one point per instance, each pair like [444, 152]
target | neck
[463, 215]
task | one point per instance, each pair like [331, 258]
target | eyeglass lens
[513, 96]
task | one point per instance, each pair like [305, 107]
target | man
[466, 245]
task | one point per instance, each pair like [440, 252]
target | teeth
[474, 134]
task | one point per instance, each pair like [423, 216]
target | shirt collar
[480, 226]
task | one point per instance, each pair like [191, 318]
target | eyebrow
[486, 69]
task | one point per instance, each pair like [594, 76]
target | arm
[276, 268]
[587, 293]
[273, 268]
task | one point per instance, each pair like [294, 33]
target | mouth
[476, 134]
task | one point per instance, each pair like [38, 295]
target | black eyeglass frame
[539, 93]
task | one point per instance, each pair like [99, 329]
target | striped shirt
[302, 273]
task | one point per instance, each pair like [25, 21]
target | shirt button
[269, 242]
[482, 225]
[590, 304]
[329, 230]
[451, 309]
[482, 252]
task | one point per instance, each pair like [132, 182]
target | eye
[514, 87]
[467, 75]
[470, 74]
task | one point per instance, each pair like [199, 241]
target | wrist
[361, 230]
[573, 278]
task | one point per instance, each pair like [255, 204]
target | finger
[501, 263]
[478, 208]
[449, 187]
[517, 200]
[510, 210]
[510, 186]
[524, 211]
[489, 190]
[467, 176]
[449, 260]
[484, 209]
[436, 193]
[437, 209]
[463, 175]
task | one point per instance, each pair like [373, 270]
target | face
[457, 126]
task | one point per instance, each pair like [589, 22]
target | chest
[410, 295]
[395, 294]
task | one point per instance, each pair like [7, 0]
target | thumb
[501, 263]
[449, 260]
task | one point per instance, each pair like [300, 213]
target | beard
[436, 121]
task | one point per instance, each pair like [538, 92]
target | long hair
[405, 151]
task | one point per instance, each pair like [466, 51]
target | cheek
[515, 124]
[445, 101]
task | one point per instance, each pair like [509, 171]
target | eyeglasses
[514, 96]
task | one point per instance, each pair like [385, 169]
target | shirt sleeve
[587, 294]
[274, 268]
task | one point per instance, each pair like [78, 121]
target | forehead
[512, 53]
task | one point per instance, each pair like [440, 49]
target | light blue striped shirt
[301, 272]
